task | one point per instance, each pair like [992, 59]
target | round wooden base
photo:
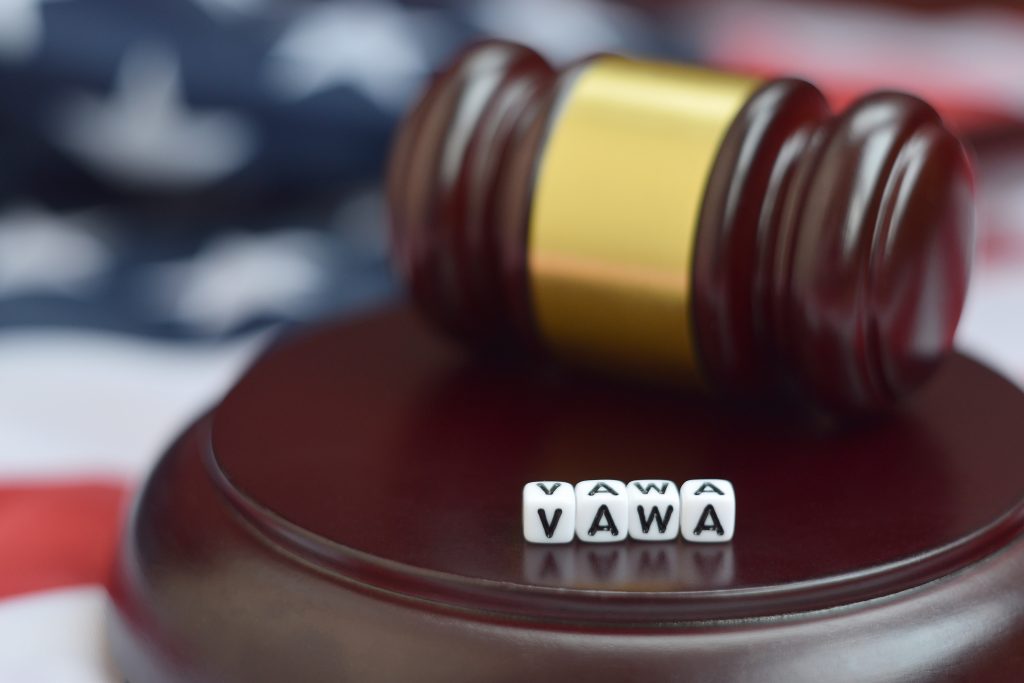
[351, 512]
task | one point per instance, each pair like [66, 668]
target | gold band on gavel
[615, 210]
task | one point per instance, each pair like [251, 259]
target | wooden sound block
[351, 512]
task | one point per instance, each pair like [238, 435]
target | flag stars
[239, 277]
[21, 28]
[372, 47]
[41, 253]
[143, 134]
[560, 30]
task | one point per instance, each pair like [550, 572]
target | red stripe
[56, 535]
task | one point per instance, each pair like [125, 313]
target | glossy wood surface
[834, 250]
[832, 253]
[459, 185]
[351, 512]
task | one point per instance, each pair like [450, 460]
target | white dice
[707, 510]
[653, 509]
[549, 512]
[607, 510]
[602, 513]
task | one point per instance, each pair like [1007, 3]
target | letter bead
[708, 510]
[653, 510]
[549, 512]
[602, 512]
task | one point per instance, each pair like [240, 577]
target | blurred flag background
[180, 180]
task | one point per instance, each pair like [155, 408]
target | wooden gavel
[672, 222]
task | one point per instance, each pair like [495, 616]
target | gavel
[670, 222]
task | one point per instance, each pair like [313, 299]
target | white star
[21, 28]
[144, 135]
[240, 276]
[562, 31]
[43, 253]
[369, 46]
[230, 9]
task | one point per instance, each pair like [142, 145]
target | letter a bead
[549, 512]
[708, 513]
[602, 511]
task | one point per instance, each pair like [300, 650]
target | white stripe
[83, 404]
[55, 637]
[992, 326]
[971, 55]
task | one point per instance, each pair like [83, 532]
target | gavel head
[672, 222]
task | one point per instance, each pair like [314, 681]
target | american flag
[181, 180]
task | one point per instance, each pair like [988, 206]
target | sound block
[351, 512]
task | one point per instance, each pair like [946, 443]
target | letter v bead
[549, 512]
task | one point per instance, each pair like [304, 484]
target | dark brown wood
[351, 513]
[832, 252]
[459, 186]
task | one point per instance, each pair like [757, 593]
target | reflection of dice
[602, 566]
[653, 509]
[550, 565]
[708, 510]
[602, 515]
[549, 512]
[704, 566]
[656, 563]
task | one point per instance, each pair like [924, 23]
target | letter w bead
[655, 516]
[652, 510]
